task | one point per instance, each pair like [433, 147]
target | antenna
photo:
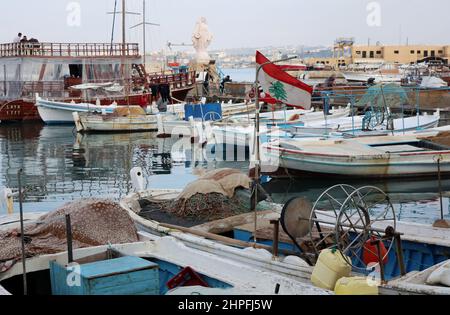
[144, 23]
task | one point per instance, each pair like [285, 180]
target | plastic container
[205, 112]
[330, 267]
[356, 286]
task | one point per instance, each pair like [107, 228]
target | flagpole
[257, 138]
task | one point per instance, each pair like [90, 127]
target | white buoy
[159, 120]
[7, 199]
[78, 124]
[137, 179]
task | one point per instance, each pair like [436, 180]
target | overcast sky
[236, 23]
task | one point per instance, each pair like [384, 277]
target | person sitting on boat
[224, 81]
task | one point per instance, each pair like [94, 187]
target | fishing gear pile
[95, 222]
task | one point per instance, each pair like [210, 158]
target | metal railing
[68, 50]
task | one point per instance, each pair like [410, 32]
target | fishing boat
[379, 73]
[153, 265]
[62, 113]
[123, 119]
[379, 156]
[237, 133]
[76, 64]
[422, 245]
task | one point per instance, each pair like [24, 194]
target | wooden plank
[215, 237]
[229, 224]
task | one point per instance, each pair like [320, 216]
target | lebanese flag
[281, 86]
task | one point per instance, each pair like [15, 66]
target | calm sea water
[241, 75]
[60, 166]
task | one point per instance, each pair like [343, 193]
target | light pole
[257, 139]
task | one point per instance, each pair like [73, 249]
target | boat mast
[124, 15]
[144, 23]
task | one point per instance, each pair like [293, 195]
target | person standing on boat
[367, 117]
[206, 83]
[224, 81]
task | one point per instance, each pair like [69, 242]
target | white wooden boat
[415, 283]
[242, 134]
[379, 78]
[52, 112]
[384, 156]
[134, 120]
[226, 275]
[416, 238]
[348, 124]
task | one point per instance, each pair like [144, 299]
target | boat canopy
[19, 77]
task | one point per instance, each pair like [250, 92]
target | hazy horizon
[235, 24]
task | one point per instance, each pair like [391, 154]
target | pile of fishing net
[94, 222]
[211, 197]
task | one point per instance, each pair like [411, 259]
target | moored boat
[123, 119]
[383, 156]
[62, 113]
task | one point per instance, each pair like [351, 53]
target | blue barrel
[206, 112]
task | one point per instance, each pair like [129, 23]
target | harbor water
[60, 166]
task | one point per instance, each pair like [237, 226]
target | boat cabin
[50, 69]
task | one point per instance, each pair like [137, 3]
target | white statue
[201, 39]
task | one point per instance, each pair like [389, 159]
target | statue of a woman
[201, 40]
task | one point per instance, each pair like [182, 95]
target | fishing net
[211, 197]
[382, 96]
[94, 223]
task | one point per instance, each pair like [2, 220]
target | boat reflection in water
[60, 166]
[414, 199]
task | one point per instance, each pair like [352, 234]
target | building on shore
[345, 53]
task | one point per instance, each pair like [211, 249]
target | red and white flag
[281, 86]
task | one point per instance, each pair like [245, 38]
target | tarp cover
[223, 181]
[95, 222]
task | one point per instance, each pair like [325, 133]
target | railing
[68, 50]
[177, 80]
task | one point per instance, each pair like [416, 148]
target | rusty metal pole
[69, 239]
[276, 236]
[399, 250]
[22, 234]
[380, 260]
[440, 188]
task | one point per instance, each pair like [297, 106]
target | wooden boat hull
[61, 113]
[97, 123]
[359, 163]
